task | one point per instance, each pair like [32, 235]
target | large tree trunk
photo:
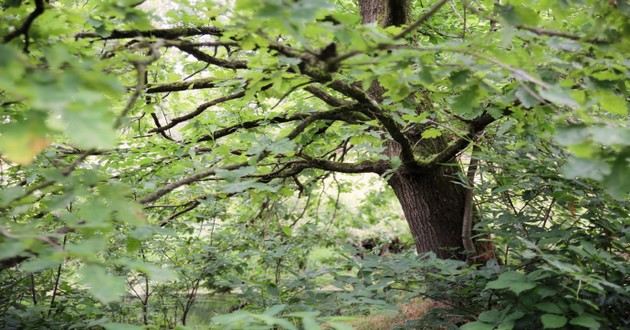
[434, 208]
[432, 203]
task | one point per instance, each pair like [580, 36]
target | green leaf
[431, 133]
[102, 285]
[21, 141]
[612, 102]
[559, 97]
[585, 168]
[587, 321]
[309, 323]
[339, 326]
[121, 326]
[34, 265]
[617, 183]
[526, 98]
[491, 316]
[89, 129]
[514, 281]
[549, 307]
[552, 321]
[517, 15]
[466, 102]
[233, 175]
[275, 309]
[477, 326]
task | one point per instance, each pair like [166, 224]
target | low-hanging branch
[172, 33]
[179, 86]
[26, 26]
[152, 197]
[202, 56]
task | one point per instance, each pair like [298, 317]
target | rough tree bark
[433, 205]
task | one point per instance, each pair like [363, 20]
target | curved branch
[152, 197]
[181, 86]
[454, 148]
[157, 33]
[432, 11]
[322, 95]
[346, 113]
[368, 166]
[211, 59]
[26, 26]
[200, 109]
[249, 124]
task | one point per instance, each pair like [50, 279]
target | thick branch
[157, 33]
[342, 113]
[327, 98]
[379, 166]
[152, 197]
[454, 148]
[181, 86]
[24, 29]
[211, 59]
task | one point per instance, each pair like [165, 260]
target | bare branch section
[428, 14]
[200, 109]
[178, 86]
[152, 197]
[454, 148]
[350, 113]
[26, 26]
[322, 95]
[537, 30]
[378, 167]
[236, 64]
[248, 125]
[346, 113]
[173, 33]
[294, 168]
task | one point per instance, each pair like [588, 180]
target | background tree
[123, 121]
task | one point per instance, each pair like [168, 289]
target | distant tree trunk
[432, 203]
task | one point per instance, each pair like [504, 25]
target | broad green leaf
[101, 284]
[89, 128]
[587, 321]
[559, 97]
[467, 101]
[549, 307]
[516, 14]
[612, 102]
[121, 326]
[477, 325]
[274, 310]
[431, 133]
[339, 326]
[22, 140]
[514, 281]
[233, 175]
[552, 321]
[585, 168]
[617, 183]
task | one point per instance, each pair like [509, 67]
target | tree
[199, 136]
[403, 100]
[432, 202]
